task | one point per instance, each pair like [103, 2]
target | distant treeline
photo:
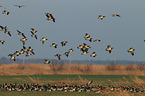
[4, 60]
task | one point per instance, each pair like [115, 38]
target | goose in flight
[109, 48]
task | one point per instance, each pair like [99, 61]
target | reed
[31, 69]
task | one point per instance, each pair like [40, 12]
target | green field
[45, 79]
[116, 80]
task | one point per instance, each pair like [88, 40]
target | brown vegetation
[110, 69]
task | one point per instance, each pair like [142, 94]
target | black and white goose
[116, 15]
[54, 45]
[93, 54]
[23, 40]
[109, 48]
[70, 50]
[6, 12]
[33, 30]
[19, 6]
[66, 54]
[20, 33]
[47, 61]
[97, 40]
[34, 35]
[2, 41]
[63, 43]
[58, 56]
[43, 40]
[12, 57]
[3, 28]
[7, 32]
[50, 17]
[31, 50]
[101, 17]
[131, 50]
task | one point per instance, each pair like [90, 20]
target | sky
[74, 18]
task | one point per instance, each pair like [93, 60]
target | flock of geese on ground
[72, 88]
[29, 51]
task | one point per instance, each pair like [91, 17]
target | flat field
[73, 74]
[112, 80]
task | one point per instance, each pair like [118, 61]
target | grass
[45, 93]
[70, 79]
[117, 75]
[110, 69]
[116, 80]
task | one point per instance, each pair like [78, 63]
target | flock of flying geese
[29, 51]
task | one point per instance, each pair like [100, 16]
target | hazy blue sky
[74, 18]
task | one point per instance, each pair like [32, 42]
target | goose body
[2, 41]
[97, 40]
[43, 40]
[54, 45]
[71, 50]
[6, 12]
[3, 28]
[33, 30]
[116, 15]
[66, 54]
[63, 43]
[93, 54]
[20, 33]
[19, 6]
[34, 35]
[101, 17]
[58, 56]
[50, 17]
[47, 61]
[7, 32]
[131, 50]
[23, 40]
[109, 48]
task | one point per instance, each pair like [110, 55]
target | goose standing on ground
[43, 40]
[131, 50]
[109, 48]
